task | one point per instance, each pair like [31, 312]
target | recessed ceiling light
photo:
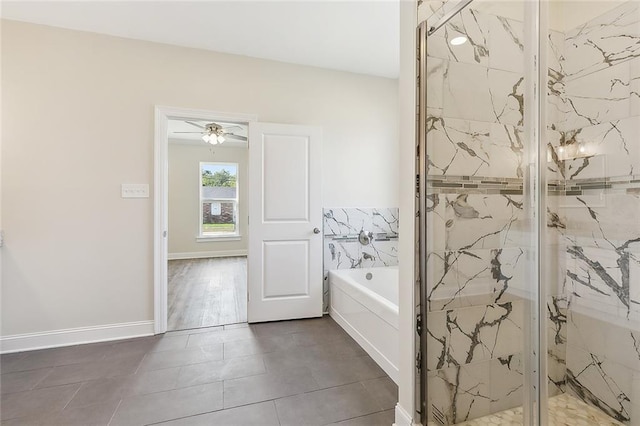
[457, 41]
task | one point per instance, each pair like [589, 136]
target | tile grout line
[358, 417]
[114, 412]
[275, 408]
[72, 396]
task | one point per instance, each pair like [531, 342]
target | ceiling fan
[214, 133]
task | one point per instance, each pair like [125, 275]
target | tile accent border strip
[514, 186]
[437, 184]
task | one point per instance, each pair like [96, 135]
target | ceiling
[195, 138]
[360, 36]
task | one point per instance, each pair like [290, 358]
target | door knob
[316, 231]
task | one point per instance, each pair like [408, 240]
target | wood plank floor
[207, 292]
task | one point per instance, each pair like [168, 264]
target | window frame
[236, 235]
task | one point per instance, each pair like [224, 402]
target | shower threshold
[564, 410]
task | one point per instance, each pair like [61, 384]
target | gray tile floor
[303, 372]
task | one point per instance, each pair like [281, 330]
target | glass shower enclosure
[528, 158]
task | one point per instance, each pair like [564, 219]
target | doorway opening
[202, 187]
[208, 232]
[284, 200]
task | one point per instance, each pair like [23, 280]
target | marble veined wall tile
[611, 224]
[468, 335]
[469, 277]
[596, 280]
[438, 337]
[350, 221]
[384, 221]
[603, 42]
[508, 144]
[557, 107]
[339, 221]
[341, 248]
[557, 325]
[555, 162]
[341, 255]
[600, 382]
[603, 358]
[458, 147]
[616, 142]
[556, 344]
[556, 102]
[618, 341]
[587, 167]
[467, 94]
[507, 96]
[603, 96]
[634, 276]
[352, 255]
[427, 8]
[457, 394]
[474, 148]
[379, 254]
[475, 221]
[469, 23]
[506, 44]
[436, 71]
[507, 382]
[556, 375]
[483, 94]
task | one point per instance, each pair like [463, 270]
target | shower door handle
[316, 231]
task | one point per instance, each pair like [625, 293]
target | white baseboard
[74, 336]
[403, 418]
[207, 254]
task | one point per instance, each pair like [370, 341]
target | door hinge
[419, 361]
[419, 324]
[417, 184]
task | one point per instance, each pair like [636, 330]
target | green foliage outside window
[219, 178]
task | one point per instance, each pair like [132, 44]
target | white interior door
[285, 222]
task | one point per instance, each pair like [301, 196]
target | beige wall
[565, 15]
[77, 122]
[184, 166]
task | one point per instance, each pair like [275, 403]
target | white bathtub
[367, 309]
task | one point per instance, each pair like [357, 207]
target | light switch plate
[135, 190]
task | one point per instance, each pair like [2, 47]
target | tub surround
[343, 250]
[364, 302]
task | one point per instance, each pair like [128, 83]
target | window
[218, 200]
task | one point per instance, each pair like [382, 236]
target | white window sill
[211, 238]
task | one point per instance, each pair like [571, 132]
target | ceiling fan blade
[238, 137]
[231, 127]
[195, 124]
[200, 133]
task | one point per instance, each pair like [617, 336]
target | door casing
[161, 196]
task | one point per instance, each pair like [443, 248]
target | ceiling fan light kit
[213, 139]
[214, 133]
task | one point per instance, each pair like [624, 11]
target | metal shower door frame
[535, 383]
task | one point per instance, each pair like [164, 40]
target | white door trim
[160, 201]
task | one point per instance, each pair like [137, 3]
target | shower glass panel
[593, 137]
[529, 212]
[478, 151]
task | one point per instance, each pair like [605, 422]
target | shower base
[564, 410]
